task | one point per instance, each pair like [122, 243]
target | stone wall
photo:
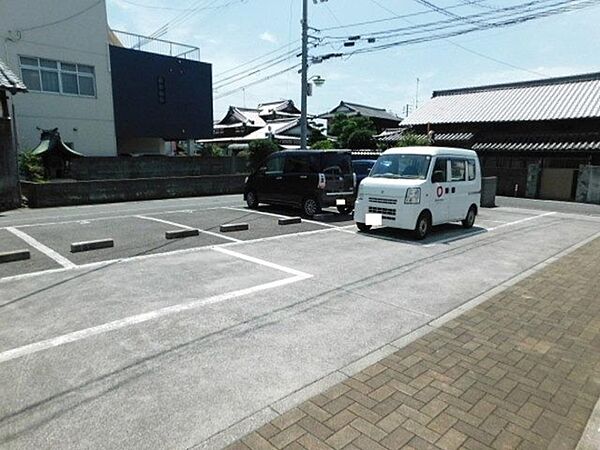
[154, 167]
[41, 195]
[588, 185]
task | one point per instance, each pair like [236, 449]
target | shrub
[361, 139]
[31, 167]
[212, 150]
[323, 145]
[412, 140]
[343, 127]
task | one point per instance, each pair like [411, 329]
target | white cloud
[268, 37]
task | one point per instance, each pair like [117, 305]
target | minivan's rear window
[301, 163]
[337, 163]
[401, 166]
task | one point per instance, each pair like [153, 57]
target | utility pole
[417, 94]
[304, 99]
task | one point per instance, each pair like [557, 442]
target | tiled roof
[581, 142]
[575, 97]
[242, 116]
[9, 81]
[364, 110]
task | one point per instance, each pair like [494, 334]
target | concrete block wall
[153, 167]
[41, 195]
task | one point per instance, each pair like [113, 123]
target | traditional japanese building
[535, 136]
[10, 85]
[381, 118]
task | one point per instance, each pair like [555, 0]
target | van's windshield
[401, 166]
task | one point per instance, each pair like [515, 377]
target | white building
[60, 49]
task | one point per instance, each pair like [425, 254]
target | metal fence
[159, 46]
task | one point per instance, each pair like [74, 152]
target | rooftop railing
[158, 46]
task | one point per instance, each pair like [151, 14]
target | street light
[317, 80]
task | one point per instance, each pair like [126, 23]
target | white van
[415, 188]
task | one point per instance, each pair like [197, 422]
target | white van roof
[431, 151]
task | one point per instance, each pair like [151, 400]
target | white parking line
[109, 262]
[98, 219]
[42, 248]
[185, 227]
[159, 313]
[279, 216]
[262, 262]
[521, 221]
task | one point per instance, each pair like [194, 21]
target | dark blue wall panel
[160, 96]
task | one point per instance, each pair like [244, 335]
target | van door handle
[453, 190]
[279, 178]
[303, 177]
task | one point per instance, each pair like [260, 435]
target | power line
[258, 58]
[450, 23]
[505, 63]
[262, 80]
[388, 19]
[254, 71]
[141, 5]
[567, 6]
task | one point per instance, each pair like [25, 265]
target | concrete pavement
[200, 345]
[521, 370]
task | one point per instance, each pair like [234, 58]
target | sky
[232, 32]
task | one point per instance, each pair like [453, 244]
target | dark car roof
[364, 161]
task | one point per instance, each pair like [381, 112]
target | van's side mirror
[438, 176]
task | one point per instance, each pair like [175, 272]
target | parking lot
[169, 343]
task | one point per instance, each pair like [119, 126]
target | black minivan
[309, 179]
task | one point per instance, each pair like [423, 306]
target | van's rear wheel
[469, 221]
[363, 226]
[423, 226]
[252, 200]
[310, 207]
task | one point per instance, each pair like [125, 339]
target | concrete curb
[17, 255]
[180, 234]
[228, 228]
[289, 220]
[87, 246]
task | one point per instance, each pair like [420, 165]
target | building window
[46, 75]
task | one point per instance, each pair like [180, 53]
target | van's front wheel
[345, 209]
[423, 226]
[469, 221]
[363, 226]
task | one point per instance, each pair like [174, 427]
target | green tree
[31, 167]
[212, 150]
[325, 144]
[259, 150]
[315, 136]
[342, 127]
[361, 139]
[412, 140]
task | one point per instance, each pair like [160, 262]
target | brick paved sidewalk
[521, 370]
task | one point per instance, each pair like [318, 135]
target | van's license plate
[340, 202]
[374, 220]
